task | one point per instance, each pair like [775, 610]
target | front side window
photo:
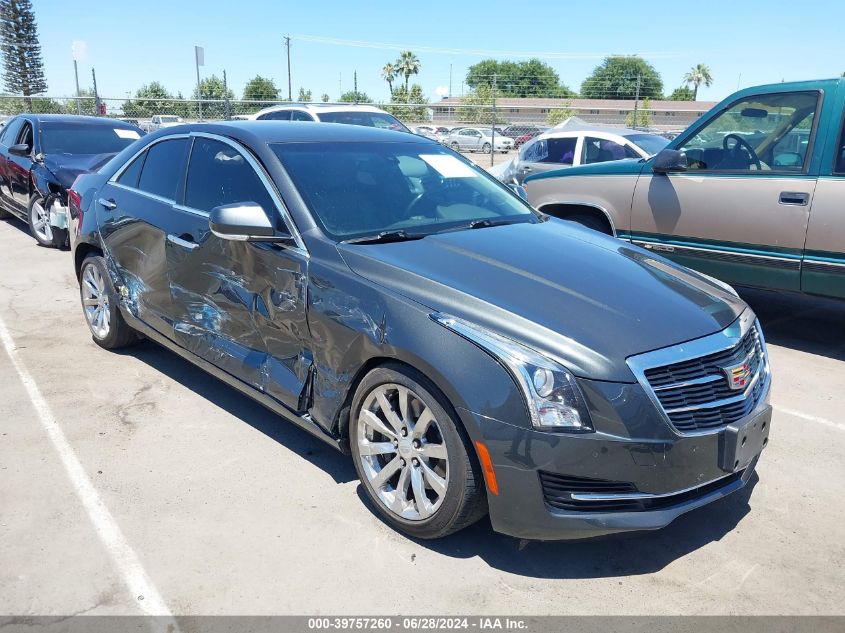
[299, 115]
[362, 189]
[10, 132]
[650, 143]
[219, 174]
[759, 133]
[163, 167]
[599, 150]
[25, 135]
[276, 115]
[79, 138]
[131, 174]
[839, 164]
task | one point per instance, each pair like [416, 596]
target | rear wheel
[100, 305]
[39, 221]
[413, 459]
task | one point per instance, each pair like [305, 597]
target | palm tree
[698, 74]
[388, 73]
[407, 64]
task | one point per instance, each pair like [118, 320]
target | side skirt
[302, 421]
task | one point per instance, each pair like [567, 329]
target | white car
[351, 114]
[477, 139]
[576, 143]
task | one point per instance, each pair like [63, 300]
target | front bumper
[652, 474]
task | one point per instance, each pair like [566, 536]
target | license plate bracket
[742, 441]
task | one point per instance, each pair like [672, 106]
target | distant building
[666, 115]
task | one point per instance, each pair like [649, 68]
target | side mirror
[244, 222]
[520, 191]
[669, 160]
[21, 149]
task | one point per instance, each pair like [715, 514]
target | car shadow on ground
[335, 464]
[608, 557]
[800, 322]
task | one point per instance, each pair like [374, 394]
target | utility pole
[78, 100]
[493, 125]
[227, 105]
[287, 46]
[96, 94]
[450, 80]
[636, 102]
[355, 85]
[77, 49]
[339, 85]
[199, 56]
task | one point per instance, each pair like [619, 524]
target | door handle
[108, 204]
[794, 197]
[187, 244]
[526, 168]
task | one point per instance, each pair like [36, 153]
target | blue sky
[129, 44]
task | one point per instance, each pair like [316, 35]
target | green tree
[643, 118]
[388, 73]
[407, 64]
[153, 98]
[559, 115]
[617, 77]
[212, 88]
[699, 74]
[410, 107]
[260, 89]
[476, 106]
[23, 68]
[325, 98]
[304, 95]
[87, 103]
[351, 96]
[682, 94]
[532, 78]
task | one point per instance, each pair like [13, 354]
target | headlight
[554, 400]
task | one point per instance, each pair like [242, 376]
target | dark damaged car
[40, 157]
[389, 297]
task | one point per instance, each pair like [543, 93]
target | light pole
[199, 55]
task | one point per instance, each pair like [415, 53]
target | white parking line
[811, 418]
[129, 566]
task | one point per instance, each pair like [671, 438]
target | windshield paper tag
[127, 133]
[448, 166]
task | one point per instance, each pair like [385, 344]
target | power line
[479, 52]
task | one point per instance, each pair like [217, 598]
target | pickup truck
[752, 193]
[159, 121]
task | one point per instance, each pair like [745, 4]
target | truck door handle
[187, 244]
[794, 197]
[108, 204]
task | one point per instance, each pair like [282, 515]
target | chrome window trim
[636, 496]
[281, 209]
[146, 194]
[712, 344]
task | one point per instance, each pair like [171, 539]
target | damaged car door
[238, 304]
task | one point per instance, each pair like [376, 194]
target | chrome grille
[694, 393]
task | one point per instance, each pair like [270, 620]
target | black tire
[455, 147]
[486, 148]
[465, 500]
[118, 333]
[590, 221]
[37, 202]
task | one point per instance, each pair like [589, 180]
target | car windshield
[364, 189]
[651, 143]
[367, 119]
[79, 138]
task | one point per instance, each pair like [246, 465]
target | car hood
[587, 299]
[66, 167]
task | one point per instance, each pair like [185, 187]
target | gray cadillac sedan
[472, 354]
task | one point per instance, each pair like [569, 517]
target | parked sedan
[578, 145]
[477, 139]
[394, 300]
[42, 154]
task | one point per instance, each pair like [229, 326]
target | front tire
[486, 148]
[100, 306]
[413, 458]
[455, 147]
[39, 221]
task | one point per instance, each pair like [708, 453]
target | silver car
[477, 139]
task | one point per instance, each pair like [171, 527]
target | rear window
[367, 119]
[79, 138]
[163, 168]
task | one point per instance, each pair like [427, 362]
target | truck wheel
[590, 221]
[100, 305]
[39, 221]
[414, 460]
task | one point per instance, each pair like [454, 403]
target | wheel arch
[566, 210]
[82, 251]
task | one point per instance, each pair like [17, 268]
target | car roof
[254, 132]
[322, 107]
[76, 118]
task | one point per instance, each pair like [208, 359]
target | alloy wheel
[402, 452]
[40, 219]
[95, 301]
